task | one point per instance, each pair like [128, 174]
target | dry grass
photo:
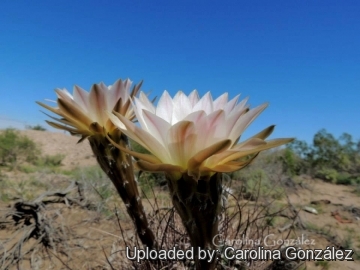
[46, 222]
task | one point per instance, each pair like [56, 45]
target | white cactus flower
[197, 136]
[84, 113]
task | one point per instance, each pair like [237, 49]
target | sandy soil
[327, 230]
[57, 143]
[95, 233]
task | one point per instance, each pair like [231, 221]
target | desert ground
[84, 223]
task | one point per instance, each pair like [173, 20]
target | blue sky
[302, 57]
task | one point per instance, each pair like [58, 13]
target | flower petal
[242, 153]
[74, 114]
[215, 123]
[52, 109]
[142, 104]
[67, 128]
[81, 97]
[195, 162]
[98, 103]
[115, 92]
[157, 126]
[164, 108]
[220, 102]
[265, 133]
[231, 104]
[147, 157]
[64, 94]
[62, 120]
[232, 165]
[135, 89]
[159, 167]
[223, 157]
[244, 121]
[181, 139]
[194, 98]
[182, 106]
[96, 128]
[145, 102]
[141, 136]
[205, 104]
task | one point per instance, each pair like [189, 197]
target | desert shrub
[356, 180]
[48, 163]
[289, 162]
[292, 163]
[357, 190]
[27, 168]
[254, 180]
[323, 264]
[344, 179]
[89, 174]
[299, 155]
[15, 148]
[4, 188]
[148, 180]
[259, 184]
[333, 176]
[341, 154]
[36, 127]
[260, 179]
[347, 179]
[327, 174]
[97, 189]
[50, 160]
[146, 183]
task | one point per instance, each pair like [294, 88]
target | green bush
[344, 179]
[27, 168]
[323, 264]
[257, 183]
[327, 174]
[95, 180]
[357, 190]
[149, 180]
[50, 161]
[292, 163]
[356, 180]
[341, 154]
[15, 148]
[36, 127]
[89, 173]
